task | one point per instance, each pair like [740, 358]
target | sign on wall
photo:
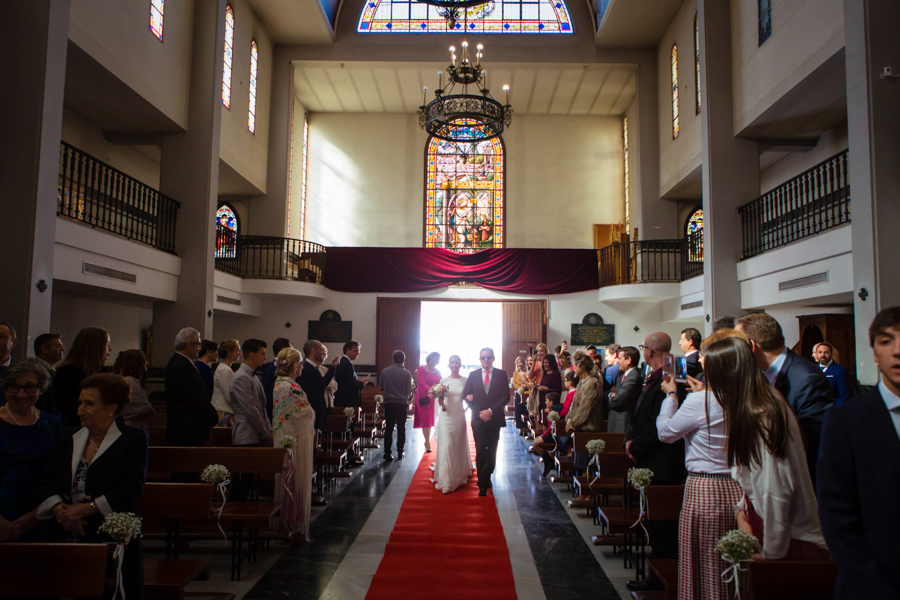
[592, 330]
[330, 328]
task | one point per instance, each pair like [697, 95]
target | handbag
[424, 401]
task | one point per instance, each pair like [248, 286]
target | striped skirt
[706, 515]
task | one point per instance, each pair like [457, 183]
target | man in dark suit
[859, 476]
[349, 390]
[190, 415]
[800, 381]
[313, 382]
[644, 447]
[628, 389]
[487, 393]
[690, 347]
[837, 376]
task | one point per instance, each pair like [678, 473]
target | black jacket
[859, 483]
[494, 399]
[66, 391]
[665, 460]
[349, 390]
[694, 369]
[314, 384]
[189, 414]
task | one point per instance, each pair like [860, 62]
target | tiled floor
[549, 544]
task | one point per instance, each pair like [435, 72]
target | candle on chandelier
[440, 79]
[480, 53]
[424, 95]
[453, 55]
[506, 89]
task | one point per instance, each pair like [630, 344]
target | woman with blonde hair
[292, 415]
[229, 353]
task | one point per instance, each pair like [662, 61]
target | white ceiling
[294, 21]
[393, 87]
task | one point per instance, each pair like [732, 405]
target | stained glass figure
[464, 194]
[254, 60]
[697, 61]
[495, 16]
[627, 194]
[226, 232]
[157, 10]
[229, 52]
[693, 231]
[675, 127]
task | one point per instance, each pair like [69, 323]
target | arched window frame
[675, 118]
[416, 17]
[157, 17]
[254, 65]
[229, 56]
[499, 224]
[687, 222]
[226, 244]
[694, 245]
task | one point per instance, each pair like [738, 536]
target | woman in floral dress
[293, 416]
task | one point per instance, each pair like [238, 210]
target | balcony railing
[810, 203]
[92, 192]
[652, 261]
[262, 257]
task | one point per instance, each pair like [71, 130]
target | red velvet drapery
[516, 270]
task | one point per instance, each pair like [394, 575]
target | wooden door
[398, 321]
[524, 327]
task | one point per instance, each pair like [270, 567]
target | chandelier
[464, 117]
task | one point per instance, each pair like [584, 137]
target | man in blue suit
[837, 376]
[800, 381]
[859, 476]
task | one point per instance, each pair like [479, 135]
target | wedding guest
[229, 353]
[766, 455]
[49, 349]
[98, 469]
[519, 379]
[7, 343]
[269, 377]
[859, 479]
[550, 381]
[207, 355]
[189, 414]
[295, 417]
[332, 386]
[564, 361]
[27, 436]
[726, 322]
[252, 427]
[396, 383]
[586, 411]
[88, 354]
[312, 381]
[690, 347]
[535, 372]
[628, 390]
[837, 376]
[349, 390]
[710, 493]
[132, 365]
[799, 382]
[427, 376]
[612, 370]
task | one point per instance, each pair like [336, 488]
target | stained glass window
[765, 20]
[675, 127]
[254, 60]
[303, 175]
[693, 230]
[464, 194]
[157, 10]
[697, 61]
[226, 232]
[229, 52]
[627, 194]
[495, 16]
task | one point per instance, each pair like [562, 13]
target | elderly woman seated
[98, 469]
[27, 436]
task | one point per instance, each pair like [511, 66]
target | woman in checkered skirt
[710, 494]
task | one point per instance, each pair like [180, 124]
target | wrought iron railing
[652, 261]
[94, 193]
[263, 257]
[810, 203]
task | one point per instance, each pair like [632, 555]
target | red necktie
[487, 379]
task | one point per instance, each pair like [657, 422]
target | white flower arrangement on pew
[350, 412]
[437, 392]
[379, 399]
[219, 477]
[735, 547]
[553, 417]
[594, 448]
[288, 442]
[640, 479]
[122, 528]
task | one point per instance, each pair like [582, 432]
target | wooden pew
[666, 572]
[164, 505]
[53, 570]
[159, 419]
[789, 580]
[368, 425]
[219, 437]
[330, 457]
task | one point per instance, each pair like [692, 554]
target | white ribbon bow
[284, 479]
[119, 557]
[221, 488]
[640, 519]
[733, 573]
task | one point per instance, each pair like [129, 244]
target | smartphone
[681, 369]
[668, 364]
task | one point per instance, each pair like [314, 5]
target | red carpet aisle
[445, 546]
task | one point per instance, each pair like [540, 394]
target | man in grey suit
[628, 390]
[248, 398]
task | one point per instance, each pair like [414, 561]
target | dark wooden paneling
[398, 321]
[524, 326]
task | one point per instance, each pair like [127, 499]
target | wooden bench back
[789, 580]
[370, 391]
[664, 502]
[335, 424]
[165, 501]
[369, 407]
[614, 441]
[614, 465]
[53, 570]
[180, 459]
[157, 435]
[157, 419]
[219, 437]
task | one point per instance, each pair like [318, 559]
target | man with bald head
[313, 382]
[646, 450]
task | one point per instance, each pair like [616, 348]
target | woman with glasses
[88, 354]
[27, 436]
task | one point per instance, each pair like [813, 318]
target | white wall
[795, 163]
[366, 179]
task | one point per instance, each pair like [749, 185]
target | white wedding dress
[454, 463]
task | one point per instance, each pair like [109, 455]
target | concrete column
[874, 131]
[189, 172]
[730, 165]
[33, 71]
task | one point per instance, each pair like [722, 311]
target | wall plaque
[330, 328]
[592, 330]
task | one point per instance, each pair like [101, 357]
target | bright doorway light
[461, 328]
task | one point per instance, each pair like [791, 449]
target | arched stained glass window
[226, 232]
[675, 127]
[157, 10]
[229, 54]
[464, 195]
[693, 231]
[495, 16]
[254, 60]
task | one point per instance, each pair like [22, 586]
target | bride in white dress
[454, 463]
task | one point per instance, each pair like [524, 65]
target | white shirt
[220, 400]
[704, 446]
[772, 372]
[487, 372]
[312, 363]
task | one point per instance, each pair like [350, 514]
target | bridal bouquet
[219, 476]
[437, 392]
[735, 546]
[122, 528]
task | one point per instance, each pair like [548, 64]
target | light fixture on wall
[464, 117]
